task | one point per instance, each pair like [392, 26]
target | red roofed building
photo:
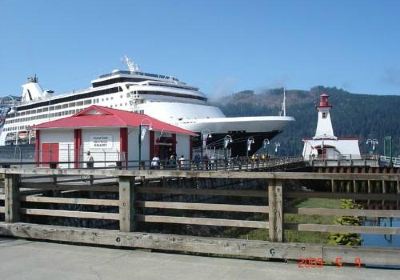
[111, 136]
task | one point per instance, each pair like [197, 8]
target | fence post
[11, 201]
[275, 203]
[126, 203]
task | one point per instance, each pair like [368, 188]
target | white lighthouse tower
[325, 145]
[324, 125]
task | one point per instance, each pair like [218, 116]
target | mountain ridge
[357, 115]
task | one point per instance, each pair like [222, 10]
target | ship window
[58, 107]
[72, 104]
[65, 106]
[111, 98]
[39, 110]
[51, 108]
[88, 101]
[324, 115]
[22, 113]
[45, 109]
[80, 103]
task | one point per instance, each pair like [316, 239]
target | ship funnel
[31, 91]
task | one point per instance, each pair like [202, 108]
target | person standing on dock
[90, 160]
[181, 162]
[155, 162]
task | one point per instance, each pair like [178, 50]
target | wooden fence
[135, 200]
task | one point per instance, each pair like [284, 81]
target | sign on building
[101, 141]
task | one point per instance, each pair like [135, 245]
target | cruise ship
[160, 96]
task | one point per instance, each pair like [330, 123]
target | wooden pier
[131, 208]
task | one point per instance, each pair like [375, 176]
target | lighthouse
[325, 145]
[324, 125]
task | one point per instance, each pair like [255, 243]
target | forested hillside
[353, 115]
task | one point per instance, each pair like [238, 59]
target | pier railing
[182, 210]
[231, 164]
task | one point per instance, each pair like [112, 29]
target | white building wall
[183, 146]
[343, 149]
[133, 146]
[103, 144]
[65, 140]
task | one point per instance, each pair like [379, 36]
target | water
[379, 240]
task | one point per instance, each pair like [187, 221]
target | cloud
[280, 82]
[223, 87]
[346, 85]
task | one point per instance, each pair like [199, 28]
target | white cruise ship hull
[162, 97]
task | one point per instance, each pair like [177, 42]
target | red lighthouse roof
[99, 116]
[323, 101]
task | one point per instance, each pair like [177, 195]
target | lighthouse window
[324, 115]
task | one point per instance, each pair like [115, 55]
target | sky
[220, 46]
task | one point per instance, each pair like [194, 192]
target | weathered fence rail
[127, 202]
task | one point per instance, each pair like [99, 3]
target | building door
[49, 153]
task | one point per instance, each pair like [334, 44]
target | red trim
[123, 143]
[37, 148]
[77, 147]
[151, 144]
